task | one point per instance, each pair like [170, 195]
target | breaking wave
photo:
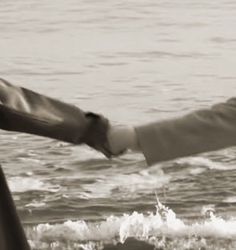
[162, 229]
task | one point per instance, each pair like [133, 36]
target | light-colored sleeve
[198, 132]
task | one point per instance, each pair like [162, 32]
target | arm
[12, 234]
[26, 111]
[197, 132]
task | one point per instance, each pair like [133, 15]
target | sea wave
[19, 184]
[126, 184]
[152, 228]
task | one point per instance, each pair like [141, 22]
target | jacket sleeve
[12, 235]
[197, 132]
[23, 110]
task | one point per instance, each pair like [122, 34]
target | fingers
[96, 134]
[121, 138]
[109, 139]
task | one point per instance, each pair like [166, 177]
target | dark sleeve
[23, 110]
[12, 235]
[197, 132]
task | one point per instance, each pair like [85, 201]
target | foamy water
[152, 227]
[24, 184]
[134, 62]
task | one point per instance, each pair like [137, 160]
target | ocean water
[134, 62]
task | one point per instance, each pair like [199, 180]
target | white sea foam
[35, 204]
[22, 184]
[203, 162]
[152, 226]
[231, 199]
[128, 184]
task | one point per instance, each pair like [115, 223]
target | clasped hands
[111, 140]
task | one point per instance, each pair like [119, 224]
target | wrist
[122, 138]
[132, 141]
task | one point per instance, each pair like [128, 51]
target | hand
[121, 138]
[111, 140]
[96, 133]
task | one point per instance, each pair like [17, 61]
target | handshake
[108, 139]
[23, 110]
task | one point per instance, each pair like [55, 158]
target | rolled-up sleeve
[197, 132]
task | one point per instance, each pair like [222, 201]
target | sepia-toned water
[134, 62]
